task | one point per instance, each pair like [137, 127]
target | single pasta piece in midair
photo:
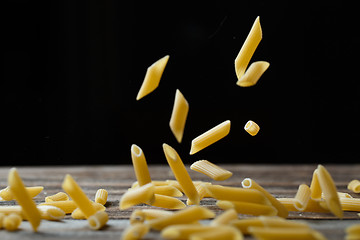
[179, 115]
[140, 165]
[253, 74]
[252, 128]
[211, 170]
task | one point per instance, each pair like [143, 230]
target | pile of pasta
[55, 206]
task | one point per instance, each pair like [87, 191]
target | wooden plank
[280, 180]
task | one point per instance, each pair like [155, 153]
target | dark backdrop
[72, 70]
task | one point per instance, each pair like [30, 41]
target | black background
[72, 70]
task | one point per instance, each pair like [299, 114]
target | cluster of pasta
[55, 206]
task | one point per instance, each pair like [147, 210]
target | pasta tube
[140, 165]
[248, 208]
[225, 218]
[186, 215]
[315, 186]
[211, 170]
[237, 194]
[168, 191]
[354, 186]
[51, 213]
[329, 190]
[180, 173]
[7, 195]
[219, 233]
[76, 193]
[183, 231]
[12, 222]
[101, 196]
[209, 137]
[253, 74]
[143, 194]
[179, 115]
[67, 206]
[24, 199]
[302, 197]
[285, 233]
[249, 183]
[152, 77]
[98, 220]
[136, 231]
[141, 215]
[247, 50]
[350, 204]
[167, 202]
[60, 196]
[252, 128]
[78, 214]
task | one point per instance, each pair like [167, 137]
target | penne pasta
[183, 231]
[252, 128]
[67, 206]
[155, 183]
[187, 215]
[350, 204]
[167, 202]
[354, 186]
[312, 205]
[136, 231]
[98, 220]
[247, 50]
[237, 194]
[179, 115]
[168, 191]
[285, 233]
[152, 77]
[78, 214]
[24, 199]
[60, 196]
[12, 222]
[224, 218]
[330, 193]
[249, 183]
[78, 196]
[277, 222]
[101, 196]
[140, 165]
[180, 173]
[51, 213]
[248, 208]
[209, 137]
[289, 203]
[141, 215]
[253, 74]
[7, 195]
[143, 194]
[315, 186]
[302, 197]
[202, 191]
[211, 170]
[219, 233]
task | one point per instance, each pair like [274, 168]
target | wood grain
[280, 180]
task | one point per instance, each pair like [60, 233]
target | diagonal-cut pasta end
[253, 74]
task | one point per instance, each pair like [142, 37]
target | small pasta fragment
[183, 231]
[140, 165]
[101, 196]
[302, 197]
[329, 190]
[136, 231]
[98, 220]
[248, 208]
[280, 233]
[60, 196]
[181, 174]
[209, 137]
[253, 74]
[179, 115]
[252, 128]
[12, 222]
[67, 206]
[249, 183]
[224, 218]
[143, 194]
[219, 233]
[187, 215]
[167, 202]
[78, 214]
[71, 187]
[152, 77]
[7, 195]
[24, 199]
[211, 170]
[354, 186]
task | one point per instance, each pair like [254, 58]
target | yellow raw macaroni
[328, 188]
[78, 214]
[224, 218]
[24, 199]
[140, 165]
[253, 74]
[354, 186]
[7, 195]
[209, 137]
[202, 191]
[168, 191]
[143, 194]
[302, 197]
[183, 231]
[11, 209]
[141, 215]
[350, 204]
[252, 128]
[187, 215]
[237, 194]
[12, 222]
[51, 213]
[211, 170]
[98, 220]
[136, 231]
[78, 196]
[280, 233]
[67, 206]
[219, 233]
[179, 115]
[60, 196]
[101, 196]
[248, 208]
[249, 183]
[152, 77]
[315, 186]
[312, 205]
[247, 50]
[180, 173]
[167, 202]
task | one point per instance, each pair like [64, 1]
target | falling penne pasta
[143, 194]
[24, 199]
[60, 196]
[181, 174]
[98, 220]
[211, 170]
[209, 137]
[252, 128]
[140, 165]
[152, 77]
[101, 196]
[167, 202]
[179, 115]
[354, 186]
[253, 74]
[315, 186]
[302, 197]
[224, 218]
[248, 208]
[7, 195]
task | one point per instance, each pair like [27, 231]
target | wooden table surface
[280, 180]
